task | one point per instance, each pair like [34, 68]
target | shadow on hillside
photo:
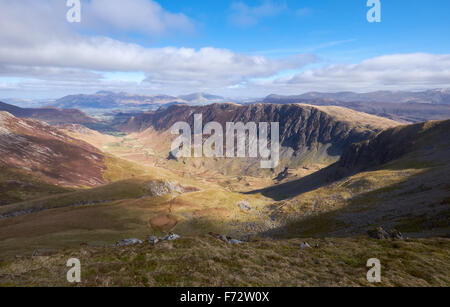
[303, 185]
[418, 212]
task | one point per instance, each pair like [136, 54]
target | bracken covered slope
[35, 147]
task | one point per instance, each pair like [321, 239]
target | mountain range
[67, 189]
[308, 134]
[435, 96]
[400, 106]
[124, 101]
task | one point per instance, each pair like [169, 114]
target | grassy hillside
[398, 179]
[334, 262]
[18, 185]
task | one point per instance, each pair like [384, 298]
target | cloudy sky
[243, 48]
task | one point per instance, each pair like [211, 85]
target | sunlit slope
[308, 135]
[132, 208]
[39, 160]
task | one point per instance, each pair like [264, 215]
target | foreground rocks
[163, 188]
[153, 240]
[226, 239]
[128, 242]
[380, 234]
[244, 206]
[171, 237]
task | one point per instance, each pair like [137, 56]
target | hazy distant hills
[400, 106]
[111, 100]
[436, 96]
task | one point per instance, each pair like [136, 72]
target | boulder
[397, 235]
[378, 233]
[224, 238]
[171, 237]
[305, 245]
[228, 239]
[153, 240]
[381, 234]
[234, 241]
[244, 205]
[128, 242]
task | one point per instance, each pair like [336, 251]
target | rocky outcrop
[163, 188]
[128, 242]
[380, 234]
[307, 134]
[300, 126]
[391, 144]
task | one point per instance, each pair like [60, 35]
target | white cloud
[143, 16]
[30, 21]
[415, 71]
[398, 70]
[164, 64]
[245, 16]
[34, 51]
[46, 53]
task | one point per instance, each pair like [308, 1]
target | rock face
[307, 134]
[43, 150]
[392, 144]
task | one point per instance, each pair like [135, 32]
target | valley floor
[207, 261]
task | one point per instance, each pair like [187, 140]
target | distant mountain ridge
[435, 96]
[112, 100]
[399, 106]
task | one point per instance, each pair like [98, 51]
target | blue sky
[234, 48]
[407, 26]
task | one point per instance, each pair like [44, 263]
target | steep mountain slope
[50, 115]
[308, 135]
[397, 179]
[36, 147]
[404, 112]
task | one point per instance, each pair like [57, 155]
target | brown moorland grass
[206, 261]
